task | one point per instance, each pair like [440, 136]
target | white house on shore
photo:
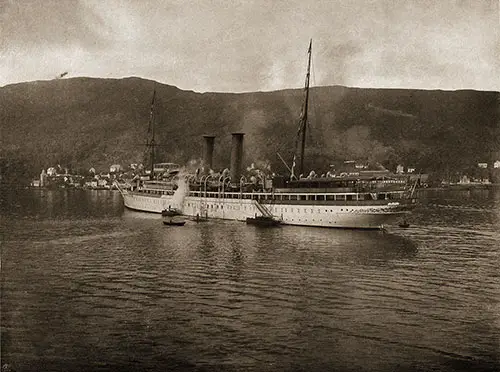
[52, 171]
[115, 168]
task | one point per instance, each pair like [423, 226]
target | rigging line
[301, 123]
[312, 100]
[312, 103]
[302, 107]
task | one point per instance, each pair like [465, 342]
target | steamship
[366, 200]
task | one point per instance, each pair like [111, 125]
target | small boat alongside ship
[263, 221]
[404, 224]
[172, 217]
[174, 223]
[368, 199]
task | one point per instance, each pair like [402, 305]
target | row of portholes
[216, 206]
[274, 210]
[285, 210]
[306, 220]
[158, 192]
[157, 201]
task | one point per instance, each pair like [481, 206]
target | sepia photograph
[250, 185]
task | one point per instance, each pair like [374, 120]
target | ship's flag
[292, 176]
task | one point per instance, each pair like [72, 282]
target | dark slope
[83, 122]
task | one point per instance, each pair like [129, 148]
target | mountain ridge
[81, 122]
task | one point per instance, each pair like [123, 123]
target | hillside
[83, 122]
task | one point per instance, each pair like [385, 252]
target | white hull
[324, 215]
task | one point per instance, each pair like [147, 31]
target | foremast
[151, 144]
[303, 116]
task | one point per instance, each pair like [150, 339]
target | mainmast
[303, 116]
[151, 131]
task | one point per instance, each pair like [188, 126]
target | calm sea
[89, 286]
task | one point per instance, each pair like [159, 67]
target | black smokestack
[208, 152]
[236, 156]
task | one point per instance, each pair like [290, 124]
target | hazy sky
[250, 45]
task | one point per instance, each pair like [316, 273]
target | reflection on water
[89, 286]
[60, 204]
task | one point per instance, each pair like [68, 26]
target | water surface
[87, 285]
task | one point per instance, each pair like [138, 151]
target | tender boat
[264, 221]
[404, 224]
[172, 217]
[174, 223]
